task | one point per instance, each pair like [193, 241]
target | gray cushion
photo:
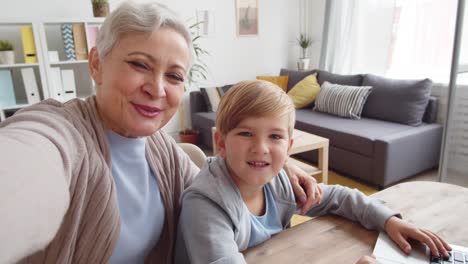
[430, 116]
[354, 80]
[203, 122]
[197, 102]
[295, 76]
[223, 89]
[342, 100]
[357, 136]
[401, 101]
[212, 97]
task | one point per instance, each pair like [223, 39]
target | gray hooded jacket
[214, 224]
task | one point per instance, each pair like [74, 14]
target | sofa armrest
[430, 115]
[400, 155]
[197, 103]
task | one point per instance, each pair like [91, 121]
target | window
[422, 39]
[394, 38]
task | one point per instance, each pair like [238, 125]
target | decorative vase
[7, 57]
[101, 10]
[189, 136]
[303, 64]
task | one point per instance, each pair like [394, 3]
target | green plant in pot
[7, 55]
[198, 72]
[100, 8]
[304, 41]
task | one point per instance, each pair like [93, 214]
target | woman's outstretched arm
[35, 169]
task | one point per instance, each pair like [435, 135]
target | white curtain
[359, 36]
[423, 39]
[395, 38]
[340, 40]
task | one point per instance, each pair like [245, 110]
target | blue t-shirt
[140, 203]
[263, 227]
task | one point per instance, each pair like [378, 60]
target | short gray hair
[138, 18]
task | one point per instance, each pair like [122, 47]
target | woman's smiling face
[141, 81]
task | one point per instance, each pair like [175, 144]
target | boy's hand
[308, 193]
[399, 231]
[367, 260]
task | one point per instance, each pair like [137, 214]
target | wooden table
[440, 207]
[303, 142]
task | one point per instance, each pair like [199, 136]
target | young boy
[242, 197]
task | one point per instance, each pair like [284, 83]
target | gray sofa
[397, 136]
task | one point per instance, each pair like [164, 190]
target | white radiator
[458, 138]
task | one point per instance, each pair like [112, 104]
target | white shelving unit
[11, 31]
[51, 40]
[47, 37]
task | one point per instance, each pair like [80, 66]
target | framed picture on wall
[247, 17]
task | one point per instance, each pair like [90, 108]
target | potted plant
[100, 8]
[198, 72]
[7, 55]
[189, 135]
[304, 42]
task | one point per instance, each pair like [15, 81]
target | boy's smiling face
[256, 149]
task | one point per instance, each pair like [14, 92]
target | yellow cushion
[305, 91]
[281, 81]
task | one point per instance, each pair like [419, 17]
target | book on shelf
[30, 85]
[79, 38]
[68, 42]
[29, 46]
[7, 90]
[56, 90]
[92, 32]
[68, 85]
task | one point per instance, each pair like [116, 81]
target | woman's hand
[367, 260]
[399, 231]
[308, 193]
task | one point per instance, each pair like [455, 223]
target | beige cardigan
[57, 194]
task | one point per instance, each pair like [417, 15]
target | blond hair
[253, 99]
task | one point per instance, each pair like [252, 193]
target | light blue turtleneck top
[140, 203]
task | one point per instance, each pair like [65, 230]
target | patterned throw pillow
[342, 100]
[281, 81]
[211, 96]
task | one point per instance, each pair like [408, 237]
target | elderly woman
[97, 181]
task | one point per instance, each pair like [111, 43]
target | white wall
[232, 58]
